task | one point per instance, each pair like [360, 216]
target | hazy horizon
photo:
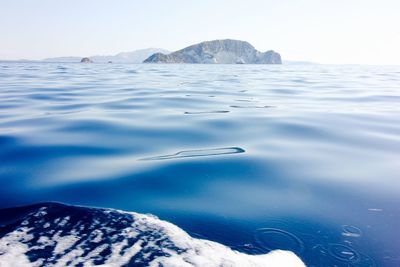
[340, 32]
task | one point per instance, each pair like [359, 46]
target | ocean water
[303, 158]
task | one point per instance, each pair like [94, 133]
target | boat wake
[53, 234]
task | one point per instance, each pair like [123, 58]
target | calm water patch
[305, 158]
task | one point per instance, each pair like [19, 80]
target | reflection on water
[319, 176]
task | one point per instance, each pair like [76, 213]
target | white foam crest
[201, 252]
[149, 234]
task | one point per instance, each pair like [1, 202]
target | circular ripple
[365, 261]
[272, 238]
[351, 231]
[343, 253]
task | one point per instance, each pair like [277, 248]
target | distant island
[211, 52]
[226, 51]
[86, 60]
[133, 57]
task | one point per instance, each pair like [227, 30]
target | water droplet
[343, 253]
[351, 231]
[375, 210]
[365, 261]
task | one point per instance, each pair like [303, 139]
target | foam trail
[199, 153]
[59, 235]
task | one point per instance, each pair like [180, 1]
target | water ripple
[236, 106]
[272, 238]
[206, 112]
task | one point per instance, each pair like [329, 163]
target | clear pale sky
[325, 31]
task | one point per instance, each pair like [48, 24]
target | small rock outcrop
[218, 52]
[86, 60]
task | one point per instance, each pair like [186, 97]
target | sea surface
[304, 158]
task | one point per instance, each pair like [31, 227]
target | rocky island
[218, 52]
[86, 60]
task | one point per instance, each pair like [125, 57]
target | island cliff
[218, 52]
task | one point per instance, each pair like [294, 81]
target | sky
[324, 31]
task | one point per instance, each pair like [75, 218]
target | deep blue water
[256, 157]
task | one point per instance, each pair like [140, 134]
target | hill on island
[226, 51]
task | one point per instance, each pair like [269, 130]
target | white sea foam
[142, 240]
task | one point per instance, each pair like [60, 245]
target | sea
[146, 164]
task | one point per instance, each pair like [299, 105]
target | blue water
[256, 157]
